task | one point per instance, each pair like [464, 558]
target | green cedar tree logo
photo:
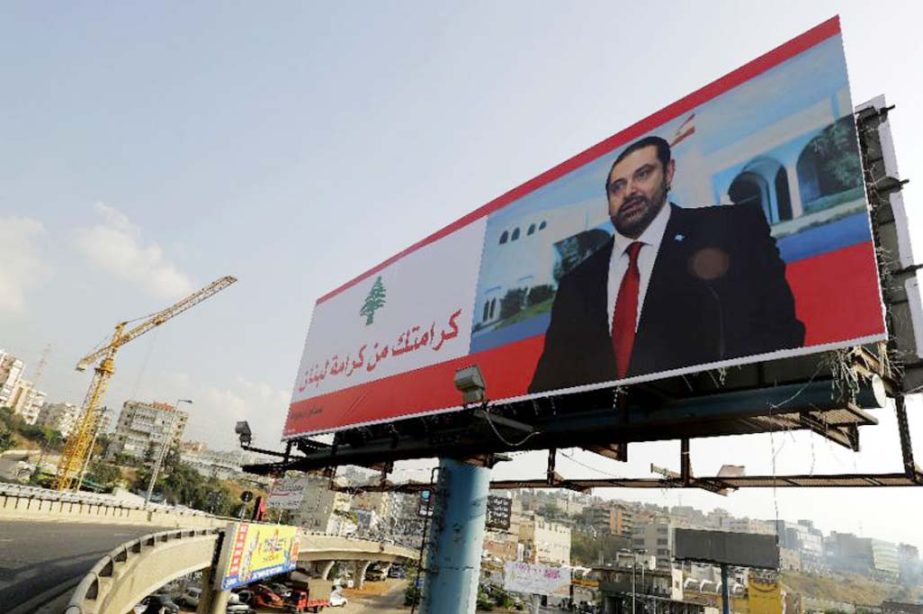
[373, 302]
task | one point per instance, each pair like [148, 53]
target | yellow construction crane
[79, 443]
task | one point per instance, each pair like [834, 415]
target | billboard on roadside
[252, 552]
[288, 493]
[535, 579]
[726, 548]
[730, 227]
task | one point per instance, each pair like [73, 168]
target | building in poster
[747, 206]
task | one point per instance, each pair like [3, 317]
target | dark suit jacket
[717, 291]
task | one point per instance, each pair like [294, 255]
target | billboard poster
[534, 579]
[499, 513]
[252, 552]
[426, 504]
[730, 227]
[288, 493]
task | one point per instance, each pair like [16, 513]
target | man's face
[638, 187]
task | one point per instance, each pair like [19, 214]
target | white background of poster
[423, 288]
[287, 493]
[534, 579]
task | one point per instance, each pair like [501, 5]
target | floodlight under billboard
[729, 228]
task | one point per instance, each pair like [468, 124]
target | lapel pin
[678, 238]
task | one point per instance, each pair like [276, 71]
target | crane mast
[78, 447]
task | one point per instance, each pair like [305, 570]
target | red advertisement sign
[718, 231]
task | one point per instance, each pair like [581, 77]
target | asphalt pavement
[40, 561]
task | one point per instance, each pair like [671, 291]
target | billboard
[730, 227]
[499, 513]
[252, 552]
[533, 579]
[725, 548]
[426, 504]
[288, 493]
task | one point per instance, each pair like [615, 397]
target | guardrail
[23, 490]
[141, 560]
[31, 503]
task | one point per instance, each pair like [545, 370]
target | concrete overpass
[137, 568]
[51, 540]
[326, 550]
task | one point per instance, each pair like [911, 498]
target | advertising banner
[533, 579]
[288, 493]
[426, 504]
[499, 513]
[252, 552]
[730, 227]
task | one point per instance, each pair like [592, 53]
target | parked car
[157, 604]
[244, 595]
[375, 575]
[190, 597]
[397, 572]
[280, 589]
[265, 597]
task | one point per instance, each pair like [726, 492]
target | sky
[150, 148]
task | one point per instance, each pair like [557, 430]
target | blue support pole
[725, 591]
[457, 539]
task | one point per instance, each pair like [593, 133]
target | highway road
[40, 561]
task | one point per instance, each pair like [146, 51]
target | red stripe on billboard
[837, 294]
[780, 54]
[836, 298]
[405, 394]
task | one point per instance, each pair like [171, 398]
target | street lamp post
[163, 452]
[634, 566]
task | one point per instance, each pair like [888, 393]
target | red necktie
[626, 312]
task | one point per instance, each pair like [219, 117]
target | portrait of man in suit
[675, 287]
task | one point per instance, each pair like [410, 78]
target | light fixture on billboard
[244, 433]
[470, 383]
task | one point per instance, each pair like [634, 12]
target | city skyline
[297, 146]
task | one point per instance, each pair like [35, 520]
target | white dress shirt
[618, 264]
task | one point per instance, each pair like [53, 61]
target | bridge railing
[23, 490]
[99, 591]
[19, 502]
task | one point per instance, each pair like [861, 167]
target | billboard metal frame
[790, 393]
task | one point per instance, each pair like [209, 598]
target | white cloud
[21, 267]
[217, 409]
[115, 246]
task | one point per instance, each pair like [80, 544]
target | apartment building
[144, 426]
[322, 509]
[11, 369]
[544, 541]
[614, 519]
[61, 417]
[655, 539]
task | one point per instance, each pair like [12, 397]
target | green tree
[104, 474]
[150, 455]
[552, 511]
[837, 150]
[587, 549]
[6, 438]
[373, 302]
[512, 302]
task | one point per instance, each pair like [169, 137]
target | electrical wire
[597, 470]
[504, 439]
